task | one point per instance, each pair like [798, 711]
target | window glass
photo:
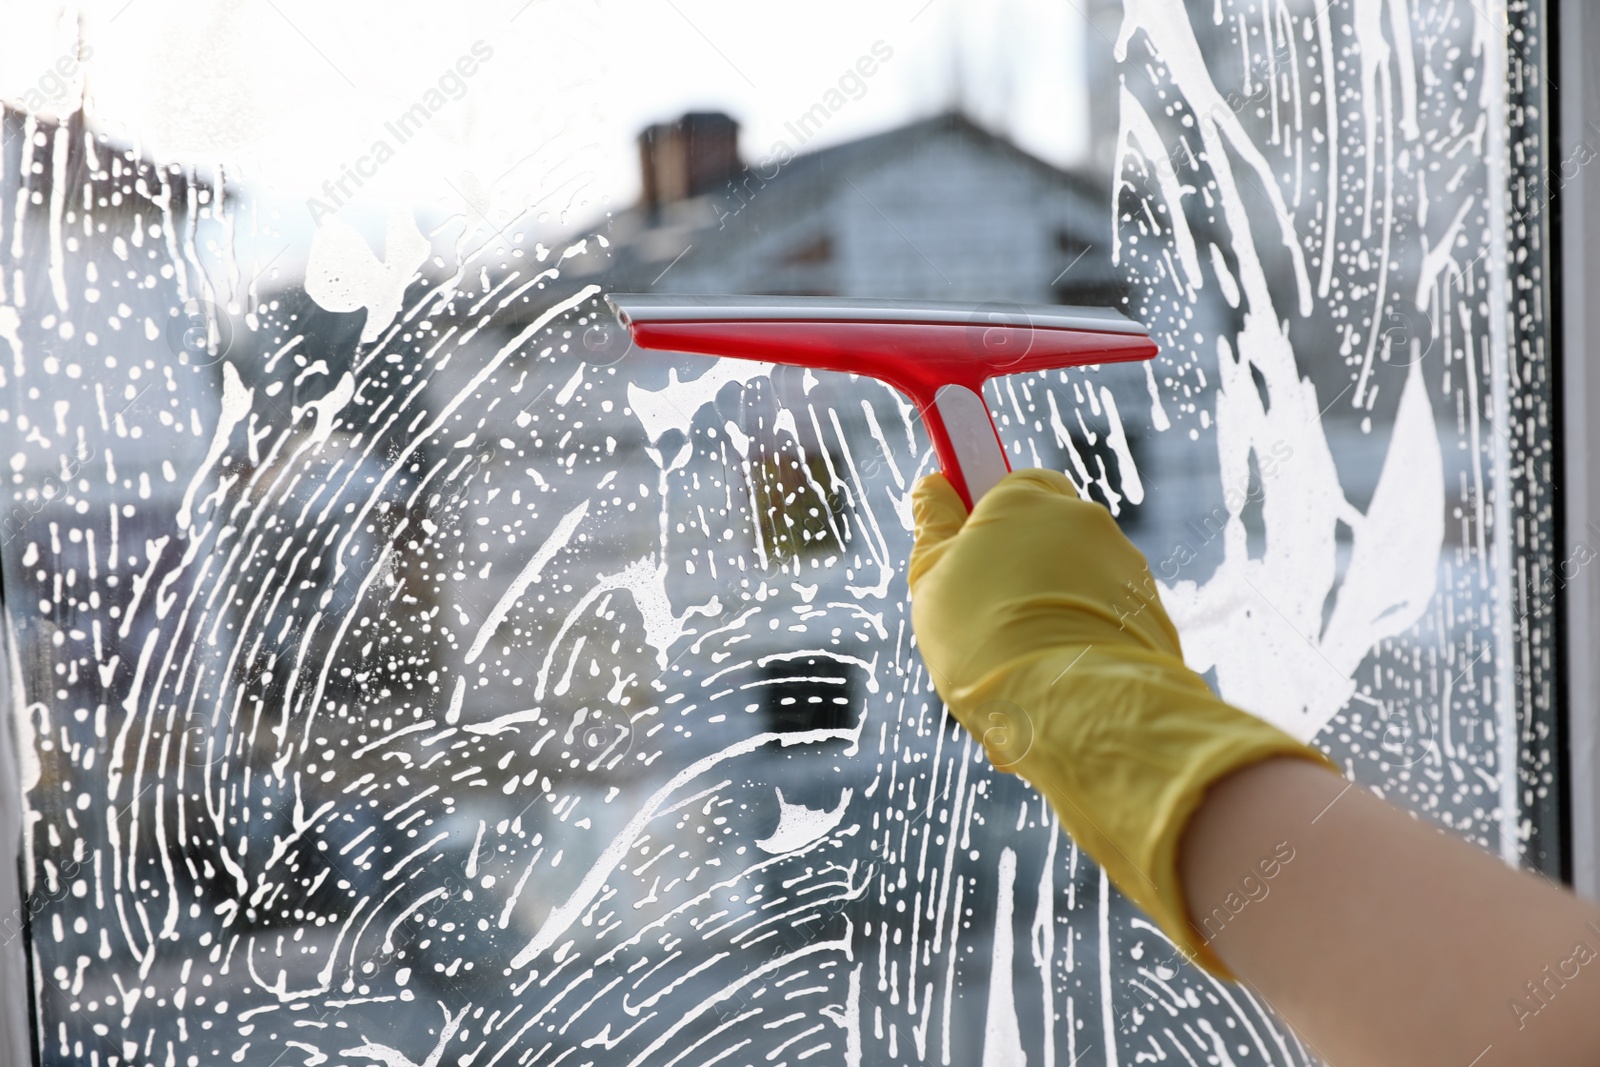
[407, 669]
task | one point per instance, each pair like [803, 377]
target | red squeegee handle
[940, 366]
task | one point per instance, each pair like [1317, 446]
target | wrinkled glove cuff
[1125, 775]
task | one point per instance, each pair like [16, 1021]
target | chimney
[687, 157]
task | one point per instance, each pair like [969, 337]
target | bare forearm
[1383, 940]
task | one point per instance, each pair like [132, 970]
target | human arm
[1386, 940]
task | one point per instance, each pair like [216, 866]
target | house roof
[642, 241]
[869, 150]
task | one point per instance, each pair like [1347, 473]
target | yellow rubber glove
[1046, 638]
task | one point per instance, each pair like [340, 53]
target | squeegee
[937, 353]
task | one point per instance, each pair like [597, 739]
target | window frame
[1530, 507]
[1576, 229]
[1560, 695]
[17, 1042]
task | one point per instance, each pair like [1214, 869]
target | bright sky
[291, 92]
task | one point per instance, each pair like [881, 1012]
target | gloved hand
[1046, 638]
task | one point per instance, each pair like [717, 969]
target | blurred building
[937, 210]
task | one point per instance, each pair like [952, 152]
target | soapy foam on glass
[547, 821]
